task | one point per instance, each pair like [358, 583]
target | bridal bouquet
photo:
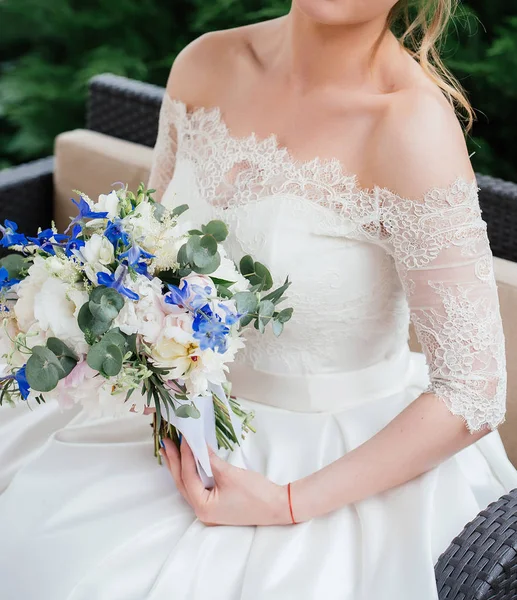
[133, 310]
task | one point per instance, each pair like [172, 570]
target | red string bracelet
[290, 503]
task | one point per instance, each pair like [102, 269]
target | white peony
[56, 306]
[146, 316]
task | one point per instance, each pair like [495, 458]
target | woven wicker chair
[481, 562]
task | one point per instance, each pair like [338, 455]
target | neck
[318, 55]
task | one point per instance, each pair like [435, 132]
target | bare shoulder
[204, 70]
[418, 143]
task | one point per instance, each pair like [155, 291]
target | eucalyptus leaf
[15, 264]
[246, 302]
[59, 348]
[89, 325]
[276, 295]
[115, 336]
[112, 361]
[217, 229]
[105, 303]
[187, 410]
[179, 210]
[284, 315]
[247, 265]
[266, 309]
[43, 369]
[159, 212]
[223, 291]
[264, 275]
[246, 320]
[183, 258]
[277, 327]
[66, 356]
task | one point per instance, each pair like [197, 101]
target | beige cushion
[506, 275]
[91, 162]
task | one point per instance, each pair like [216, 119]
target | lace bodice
[362, 262]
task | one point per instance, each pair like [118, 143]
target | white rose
[108, 204]
[56, 306]
[27, 290]
[98, 249]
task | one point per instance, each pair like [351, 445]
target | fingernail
[162, 444]
[180, 437]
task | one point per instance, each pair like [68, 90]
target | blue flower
[115, 233]
[74, 243]
[10, 237]
[202, 294]
[135, 254]
[47, 239]
[5, 282]
[85, 212]
[178, 296]
[116, 281]
[23, 385]
[231, 317]
[210, 330]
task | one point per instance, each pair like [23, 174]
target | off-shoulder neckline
[271, 142]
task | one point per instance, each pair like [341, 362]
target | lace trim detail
[464, 345]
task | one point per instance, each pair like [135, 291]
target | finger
[190, 476]
[219, 466]
[173, 462]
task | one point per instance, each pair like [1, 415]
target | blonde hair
[424, 26]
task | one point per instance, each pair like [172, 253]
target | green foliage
[50, 48]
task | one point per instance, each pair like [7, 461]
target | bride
[367, 458]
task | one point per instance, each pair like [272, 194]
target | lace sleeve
[442, 254]
[164, 155]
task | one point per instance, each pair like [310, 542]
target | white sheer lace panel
[439, 244]
[164, 154]
[442, 254]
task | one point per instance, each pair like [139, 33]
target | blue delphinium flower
[85, 212]
[10, 237]
[201, 295]
[5, 282]
[116, 281]
[47, 239]
[135, 257]
[23, 385]
[74, 243]
[115, 233]
[210, 330]
[178, 296]
[231, 317]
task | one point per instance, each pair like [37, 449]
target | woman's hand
[239, 497]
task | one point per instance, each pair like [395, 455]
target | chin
[344, 12]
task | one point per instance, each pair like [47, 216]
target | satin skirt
[88, 514]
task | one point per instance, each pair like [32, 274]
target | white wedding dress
[87, 514]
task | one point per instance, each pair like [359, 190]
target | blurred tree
[50, 48]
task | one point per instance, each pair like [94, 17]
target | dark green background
[50, 48]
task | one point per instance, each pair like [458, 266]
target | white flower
[27, 290]
[146, 316]
[60, 266]
[227, 270]
[107, 203]
[56, 306]
[97, 252]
